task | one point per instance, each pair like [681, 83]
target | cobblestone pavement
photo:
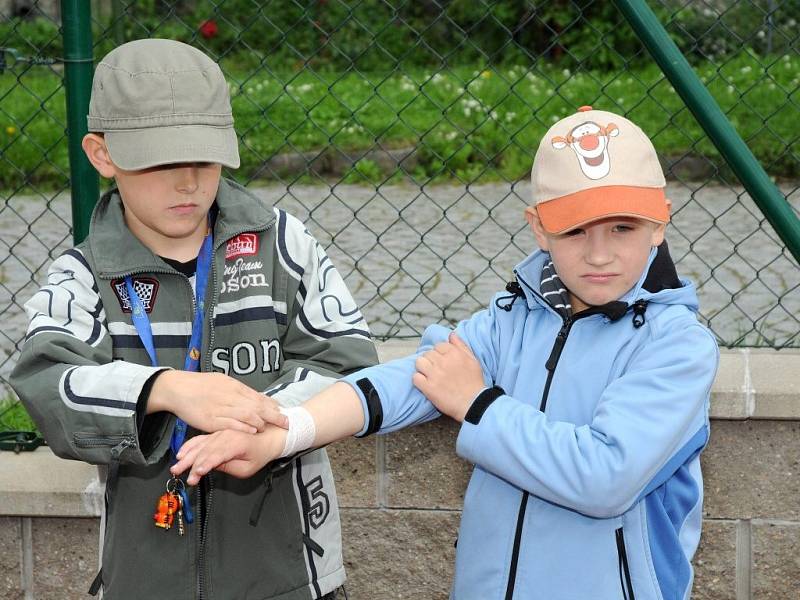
[416, 256]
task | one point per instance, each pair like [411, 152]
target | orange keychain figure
[168, 505]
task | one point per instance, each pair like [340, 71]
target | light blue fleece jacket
[599, 495]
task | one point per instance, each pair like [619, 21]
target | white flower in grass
[553, 119]
[306, 87]
[566, 73]
[459, 90]
[731, 89]
[259, 87]
[510, 116]
[467, 111]
[493, 115]
[747, 69]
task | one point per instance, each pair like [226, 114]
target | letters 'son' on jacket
[599, 495]
[279, 318]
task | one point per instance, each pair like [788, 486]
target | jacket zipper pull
[116, 452]
[558, 346]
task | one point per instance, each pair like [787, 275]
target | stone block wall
[400, 498]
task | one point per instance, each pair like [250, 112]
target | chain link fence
[402, 132]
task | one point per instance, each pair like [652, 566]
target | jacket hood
[118, 252]
[659, 282]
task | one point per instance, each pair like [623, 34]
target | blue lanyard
[192, 363]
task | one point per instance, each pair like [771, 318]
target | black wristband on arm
[482, 402]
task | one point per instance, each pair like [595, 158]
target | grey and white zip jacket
[279, 318]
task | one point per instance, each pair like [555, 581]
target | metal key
[181, 529]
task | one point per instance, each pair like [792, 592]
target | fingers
[211, 455]
[272, 416]
[424, 364]
[443, 348]
[188, 454]
[458, 342]
[265, 407]
[235, 424]
[420, 382]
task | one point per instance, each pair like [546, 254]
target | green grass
[14, 418]
[466, 124]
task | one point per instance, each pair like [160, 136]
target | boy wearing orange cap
[582, 394]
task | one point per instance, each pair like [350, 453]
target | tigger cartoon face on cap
[590, 143]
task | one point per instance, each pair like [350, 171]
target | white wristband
[302, 430]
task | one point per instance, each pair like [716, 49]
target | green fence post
[716, 125]
[78, 68]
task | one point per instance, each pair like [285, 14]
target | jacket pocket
[624, 570]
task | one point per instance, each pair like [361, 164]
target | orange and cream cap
[596, 164]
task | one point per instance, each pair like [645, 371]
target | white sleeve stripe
[101, 406]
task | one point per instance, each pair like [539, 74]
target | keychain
[170, 505]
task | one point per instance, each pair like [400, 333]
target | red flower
[208, 28]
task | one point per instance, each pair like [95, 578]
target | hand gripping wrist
[302, 430]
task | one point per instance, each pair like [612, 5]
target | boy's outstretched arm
[337, 414]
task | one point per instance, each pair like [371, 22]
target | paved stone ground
[415, 256]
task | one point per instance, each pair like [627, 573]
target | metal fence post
[78, 69]
[714, 122]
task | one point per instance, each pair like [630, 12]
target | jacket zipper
[206, 489]
[119, 442]
[550, 365]
[624, 571]
[205, 495]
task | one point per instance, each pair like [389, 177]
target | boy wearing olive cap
[582, 393]
[188, 302]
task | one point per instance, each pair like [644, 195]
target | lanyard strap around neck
[142, 324]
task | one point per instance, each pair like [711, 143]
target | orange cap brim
[573, 210]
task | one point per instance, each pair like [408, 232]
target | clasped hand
[213, 402]
[245, 428]
[450, 377]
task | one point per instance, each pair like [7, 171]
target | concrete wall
[401, 497]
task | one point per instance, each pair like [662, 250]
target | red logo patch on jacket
[242, 245]
[145, 287]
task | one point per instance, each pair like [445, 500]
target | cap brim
[571, 211]
[135, 149]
